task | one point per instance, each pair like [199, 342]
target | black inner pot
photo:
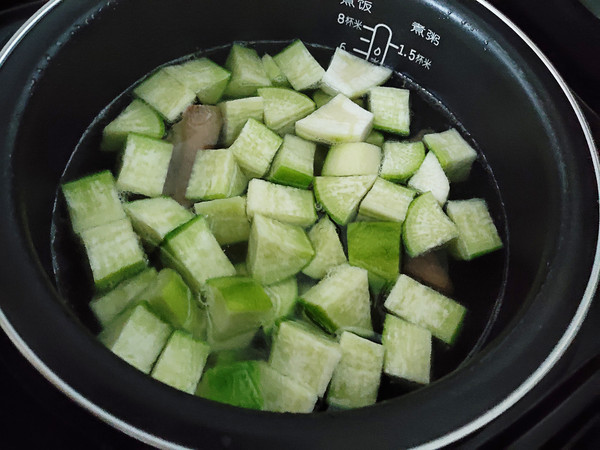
[82, 55]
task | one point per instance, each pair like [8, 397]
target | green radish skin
[401, 160]
[294, 162]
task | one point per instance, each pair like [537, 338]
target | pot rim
[446, 439]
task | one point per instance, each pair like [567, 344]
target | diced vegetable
[375, 138]
[165, 94]
[136, 336]
[356, 378]
[137, 118]
[294, 162]
[352, 76]
[154, 218]
[300, 68]
[236, 305]
[215, 174]
[283, 107]
[340, 300]
[426, 307]
[247, 72]
[181, 362]
[93, 201]
[255, 148]
[339, 120]
[477, 234]
[207, 79]
[454, 153]
[329, 252]
[386, 201]
[282, 393]
[236, 384]
[430, 177]
[375, 246]
[283, 296]
[276, 250]
[401, 160]
[355, 158]
[340, 196]
[173, 301]
[194, 252]
[283, 203]
[426, 226]
[109, 305]
[145, 165]
[305, 355]
[407, 350]
[114, 253]
[277, 77]
[226, 218]
[235, 115]
[390, 108]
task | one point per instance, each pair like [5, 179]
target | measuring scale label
[376, 42]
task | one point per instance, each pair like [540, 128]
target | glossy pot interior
[536, 171]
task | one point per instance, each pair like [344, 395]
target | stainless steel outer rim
[441, 441]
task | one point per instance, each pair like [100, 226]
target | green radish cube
[93, 201]
[137, 336]
[236, 305]
[430, 177]
[329, 252]
[390, 108]
[194, 252]
[145, 165]
[375, 138]
[305, 355]
[283, 296]
[247, 72]
[352, 76]
[109, 305]
[375, 246]
[294, 162]
[283, 203]
[339, 120]
[283, 107]
[284, 394]
[137, 118]
[320, 97]
[300, 68]
[241, 269]
[255, 148]
[154, 218]
[236, 342]
[114, 253]
[477, 234]
[236, 113]
[276, 250]
[215, 174]
[202, 76]
[181, 362]
[356, 378]
[340, 300]
[227, 219]
[426, 307]
[236, 384]
[277, 77]
[407, 350]
[426, 227]
[454, 153]
[165, 94]
[172, 299]
[340, 196]
[401, 160]
[386, 201]
[353, 158]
